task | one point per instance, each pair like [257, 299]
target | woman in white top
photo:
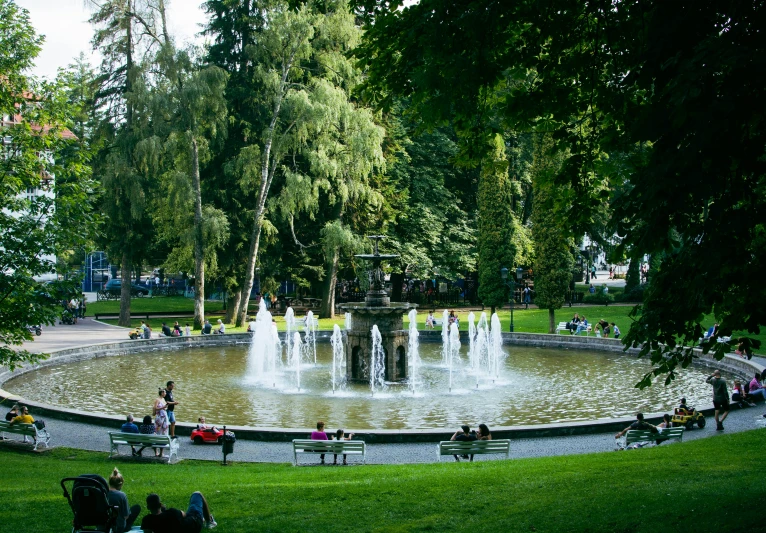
[221, 327]
[160, 418]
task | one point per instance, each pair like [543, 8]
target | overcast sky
[67, 32]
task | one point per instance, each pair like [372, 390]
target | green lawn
[525, 320]
[711, 484]
[170, 304]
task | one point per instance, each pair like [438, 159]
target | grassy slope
[679, 487]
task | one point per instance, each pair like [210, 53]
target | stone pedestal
[395, 341]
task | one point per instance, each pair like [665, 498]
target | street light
[512, 284]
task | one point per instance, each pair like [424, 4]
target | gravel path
[95, 438]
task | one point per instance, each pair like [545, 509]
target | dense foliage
[44, 189]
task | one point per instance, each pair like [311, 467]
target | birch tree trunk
[199, 248]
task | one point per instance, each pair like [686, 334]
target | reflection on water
[536, 386]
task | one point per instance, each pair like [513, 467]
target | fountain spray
[414, 350]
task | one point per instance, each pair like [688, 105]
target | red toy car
[208, 434]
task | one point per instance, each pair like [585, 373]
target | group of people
[164, 423]
[320, 434]
[207, 328]
[465, 434]
[76, 307]
[159, 519]
[602, 327]
[144, 331]
[452, 319]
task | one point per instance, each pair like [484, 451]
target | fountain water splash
[338, 359]
[290, 323]
[310, 338]
[414, 351]
[295, 362]
[482, 344]
[377, 362]
[454, 351]
[348, 321]
[277, 359]
[262, 359]
[473, 348]
[445, 337]
[496, 347]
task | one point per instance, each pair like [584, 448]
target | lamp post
[512, 285]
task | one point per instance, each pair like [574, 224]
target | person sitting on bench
[639, 424]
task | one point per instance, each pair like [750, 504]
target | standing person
[163, 520]
[616, 330]
[187, 330]
[593, 272]
[527, 296]
[160, 419]
[126, 515]
[464, 435]
[720, 398]
[319, 434]
[171, 407]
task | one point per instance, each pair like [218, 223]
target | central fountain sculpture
[366, 360]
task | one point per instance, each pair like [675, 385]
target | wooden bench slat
[118, 438]
[475, 447]
[26, 430]
[663, 434]
[337, 447]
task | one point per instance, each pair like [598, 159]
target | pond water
[535, 386]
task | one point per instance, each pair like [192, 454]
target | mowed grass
[524, 320]
[711, 484]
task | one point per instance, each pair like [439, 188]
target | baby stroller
[92, 512]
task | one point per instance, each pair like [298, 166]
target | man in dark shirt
[720, 398]
[171, 407]
[463, 435]
[162, 520]
[207, 328]
[638, 424]
[166, 330]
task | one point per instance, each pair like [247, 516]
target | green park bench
[473, 447]
[338, 447]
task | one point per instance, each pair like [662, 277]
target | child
[339, 435]
[615, 330]
[187, 331]
[684, 407]
[738, 395]
[430, 320]
[201, 424]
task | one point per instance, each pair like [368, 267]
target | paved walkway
[95, 438]
[86, 331]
